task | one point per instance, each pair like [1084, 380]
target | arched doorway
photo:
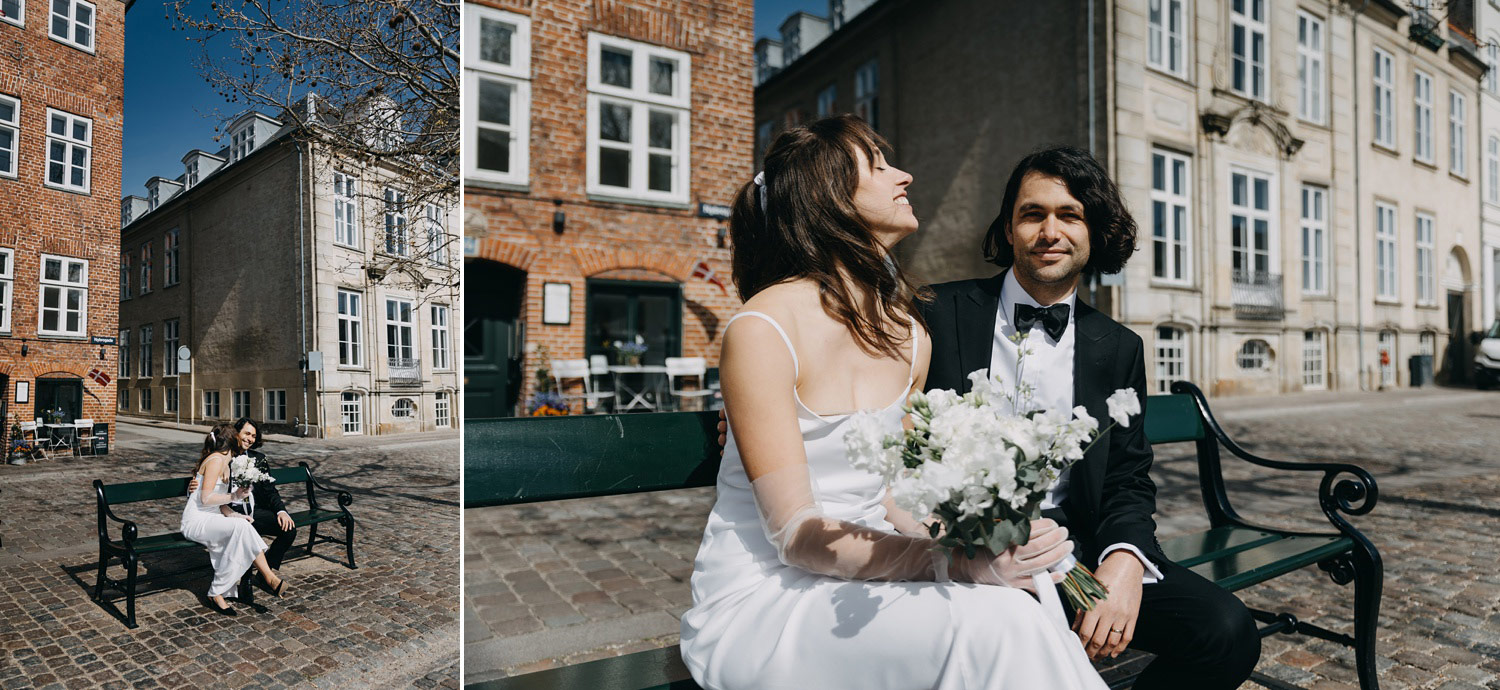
[1456, 357]
[493, 337]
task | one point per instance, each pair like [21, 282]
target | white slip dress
[232, 542]
[757, 623]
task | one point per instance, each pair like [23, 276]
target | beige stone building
[1306, 175]
[310, 293]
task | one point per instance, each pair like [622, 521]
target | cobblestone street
[392, 623]
[564, 582]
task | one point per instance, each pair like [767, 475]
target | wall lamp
[101, 353]
[723, 234]
[24, 348]
[559, 219]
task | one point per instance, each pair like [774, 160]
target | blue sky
[170, 110]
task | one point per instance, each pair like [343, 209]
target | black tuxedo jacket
[1111, 497]
[265, 493]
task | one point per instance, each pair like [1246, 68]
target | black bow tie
[1054, 319]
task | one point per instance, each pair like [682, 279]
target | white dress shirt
[1049, 371]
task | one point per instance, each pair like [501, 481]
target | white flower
[941, 400]
[1122, 405]
[865, 444]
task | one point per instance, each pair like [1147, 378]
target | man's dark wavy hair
[1112, 230]
[239, 425]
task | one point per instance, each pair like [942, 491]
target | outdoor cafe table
[60, 432]
[652, 376]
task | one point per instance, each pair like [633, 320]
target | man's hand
[193, 484]
[1107, 629]
[723, 432]
[248, 519]
[284, 521]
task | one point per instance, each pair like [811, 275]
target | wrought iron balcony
[1257, 295]
[1426, 29]
[405, 371]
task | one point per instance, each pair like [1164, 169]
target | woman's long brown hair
[811, 229]
[220, 439]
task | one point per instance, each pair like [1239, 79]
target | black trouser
[1203, 636]
[265, 523]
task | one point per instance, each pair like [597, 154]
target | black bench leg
[99, 579]
[130, 565]
[312, 537]
[349, 539]
[1368, 582]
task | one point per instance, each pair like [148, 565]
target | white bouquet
[981, 467]
[244, 473]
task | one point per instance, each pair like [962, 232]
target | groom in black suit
[271, 517]
[1062, 215]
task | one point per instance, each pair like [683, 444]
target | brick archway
[505, 252]
[595, 261]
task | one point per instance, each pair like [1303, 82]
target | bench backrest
[531, 459]
[131, 492]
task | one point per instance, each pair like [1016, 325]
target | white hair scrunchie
[760, 189]
[211, 436]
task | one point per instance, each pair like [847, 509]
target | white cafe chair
[687, 367]
[83, 436]
[565, 370]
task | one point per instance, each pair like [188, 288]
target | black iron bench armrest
[345, 498]
[128, 530]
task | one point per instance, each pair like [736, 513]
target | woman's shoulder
[787, 302]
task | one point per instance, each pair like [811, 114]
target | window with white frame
[10, 134]
[826, 98]
[1250, 221]
[1385, 251]
[276, 406]
[145, 399]
[1422, 118]
[1171, 357]
[13, 12]
[153, 197]
[240, 400]
[1458, 134]
[124, 401]
[1492, 170]
[65, 296]
[437, 236]
[1314, 360]
[148, 342]
[399, 345]
[350, 325]
[867, 92]
[1170, 225]
[352, 413]
[1166, 46]
[70, 141]
[497, 57]
[1247, 43]
[7, 286]
[1492, 61]
[72, 22]
[146, 268]
[169, 399]
[1427, 343]
[125, 268]
[442, 357]
[442, 412]
[1254, 355]
[638, 110]
[171, 339]
[124, 341]
[171, 257]
[192, 174]
[211, 404]
[345, 210]
[242, 142]
[1426, 276]
[404, 408]
[1387, 357]
[1385, 99]
[1314, 240]
[397, 239]
[1311, 88]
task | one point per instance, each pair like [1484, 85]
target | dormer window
[125, 215]
[73, 23]
[242, 142]
[192, 174]
[155, 197]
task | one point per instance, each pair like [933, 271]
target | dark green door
[493, 335]
[65, 394]
[1458, 357]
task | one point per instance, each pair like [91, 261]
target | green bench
[131, 546]
[526, 460]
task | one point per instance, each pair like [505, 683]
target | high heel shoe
[280, 587]
[214, 605]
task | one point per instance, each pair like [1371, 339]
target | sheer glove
[1013, 567]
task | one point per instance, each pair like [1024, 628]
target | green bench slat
[655, 669]
[289, 475]
[308, 517]
[1172, 418]
[1191, 549]
[132, 492]
[161, 542]
[1261, 563]
[529, 459]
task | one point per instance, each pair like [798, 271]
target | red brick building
[603, 143]
[61, 117]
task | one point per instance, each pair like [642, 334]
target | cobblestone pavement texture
[392, 623]
[560, 583]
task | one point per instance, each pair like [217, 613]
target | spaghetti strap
[911, 373]
[796, 368]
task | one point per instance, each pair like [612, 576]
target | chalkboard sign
[101, 439]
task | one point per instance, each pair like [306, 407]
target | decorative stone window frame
[1254, 355]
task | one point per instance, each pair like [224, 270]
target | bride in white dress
[232, 542]
[808, 576]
